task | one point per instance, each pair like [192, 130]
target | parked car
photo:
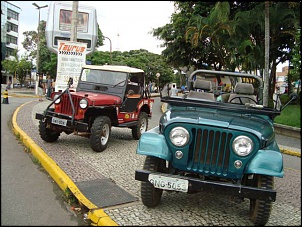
[31, 85]
[18, 85]
[105, 96]
[222, 142]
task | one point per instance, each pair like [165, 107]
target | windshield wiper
[119, 83]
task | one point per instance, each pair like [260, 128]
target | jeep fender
[152, 143]
[266, 162]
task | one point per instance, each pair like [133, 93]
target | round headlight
[179, 136]
[243, 145]
[83, 103]
[58, 100]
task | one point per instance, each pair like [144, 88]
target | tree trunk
[272, 81]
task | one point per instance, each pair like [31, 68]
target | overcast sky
[126, 23]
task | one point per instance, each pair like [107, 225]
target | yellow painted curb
[96, 215]
[289, 152]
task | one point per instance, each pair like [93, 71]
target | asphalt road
[118, 162]
[29, 197]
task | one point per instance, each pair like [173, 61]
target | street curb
[97, 215]
[289, 152]
[288, 130]
[23, 96]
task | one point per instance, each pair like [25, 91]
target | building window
[12, 27]
[10, 51]
[11, 39]
[12, 14]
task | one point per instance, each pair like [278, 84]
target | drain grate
[104, 193]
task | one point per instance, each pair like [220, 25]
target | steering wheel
[242, 97]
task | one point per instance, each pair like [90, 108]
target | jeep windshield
[222, 90]
[109, 78]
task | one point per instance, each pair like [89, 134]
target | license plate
[59, 121]
[168, 183]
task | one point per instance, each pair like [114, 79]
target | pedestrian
[150, 87]
[8, 84]
[48, 87]
[40, 88]
[183, 89]
[174, 90]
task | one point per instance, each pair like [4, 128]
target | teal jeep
[217, 137]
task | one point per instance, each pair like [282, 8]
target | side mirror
[293, 97]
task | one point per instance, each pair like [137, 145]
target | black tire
[150, 195]
[47, 134]
[260, 210]
[100, 133]
[141, 127]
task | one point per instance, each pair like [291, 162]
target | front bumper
[71, 125]
[211, 186]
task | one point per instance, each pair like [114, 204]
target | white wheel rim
[105, 134]
[143, 125]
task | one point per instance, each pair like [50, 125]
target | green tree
[9, 66]
[19, 67]
[240, 36]
[213, 31]
[178, 51]
[295, 60]
[24, 67]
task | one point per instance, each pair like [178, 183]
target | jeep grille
[210, 151]
[66, 107]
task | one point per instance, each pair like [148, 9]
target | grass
[290, 116]
[71, 199]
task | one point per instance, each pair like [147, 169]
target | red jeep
[105, 96]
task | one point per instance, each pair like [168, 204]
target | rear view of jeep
[105, 96]
[218, 138]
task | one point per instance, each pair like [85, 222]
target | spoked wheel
[100, 133]
[150, 195]
[141, 127]
[260, 210]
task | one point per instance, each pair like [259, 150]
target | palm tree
[213, 31]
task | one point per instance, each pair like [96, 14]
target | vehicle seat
[205, 88]
[131, 95]
[243, 90]
[134, 88]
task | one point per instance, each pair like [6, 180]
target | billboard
[58, 26]
[65, 21]
[71, 58]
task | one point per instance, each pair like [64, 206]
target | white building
[9, 34]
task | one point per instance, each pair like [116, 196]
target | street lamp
[38, 46]
[110, 49]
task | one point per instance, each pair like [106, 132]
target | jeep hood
[99, 99]
[255, 124]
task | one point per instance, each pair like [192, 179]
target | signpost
[71, 32]
[71, 58]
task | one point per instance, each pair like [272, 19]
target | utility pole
[266, 60]
[38, 45]
[74, 21]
